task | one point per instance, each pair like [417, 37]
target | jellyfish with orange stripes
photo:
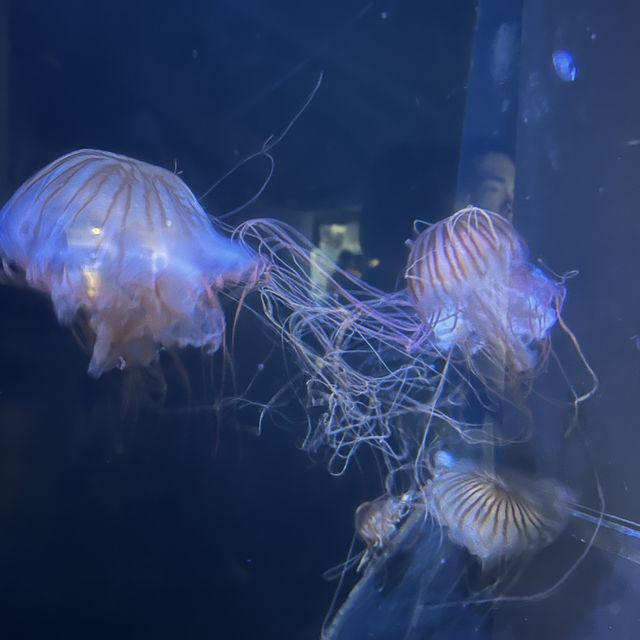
[125, 248]
[479, 297]
[472, 284]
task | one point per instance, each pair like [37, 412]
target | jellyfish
[124, 247]
[377, 521]
[503, 515]
[495, 516]
[473, 287]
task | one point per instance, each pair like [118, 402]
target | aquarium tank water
[319, 320]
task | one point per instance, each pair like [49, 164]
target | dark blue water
[126, 514]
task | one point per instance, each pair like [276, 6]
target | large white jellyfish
[126, 247]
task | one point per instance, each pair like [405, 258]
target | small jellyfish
[377, 521]
[472, 284]
[494, 516]
[126, 247]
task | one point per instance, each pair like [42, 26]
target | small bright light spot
[96, 231]
[565, 65]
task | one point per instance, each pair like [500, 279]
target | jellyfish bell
[495, 516]
[126, 245]
[377, 521]
[474, 289]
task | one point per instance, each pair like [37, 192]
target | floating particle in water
[565, 65]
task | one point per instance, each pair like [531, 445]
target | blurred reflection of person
[492, 182]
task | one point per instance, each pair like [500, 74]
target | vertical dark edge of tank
[490, 127]
[492, 92]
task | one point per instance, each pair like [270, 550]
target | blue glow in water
[565, 65]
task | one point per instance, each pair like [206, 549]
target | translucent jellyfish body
[125, 245]
[471, 282]
[376, 521]
[495, 516]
